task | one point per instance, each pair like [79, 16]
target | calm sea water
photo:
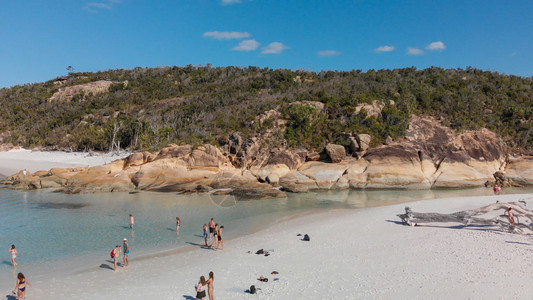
[53, 229]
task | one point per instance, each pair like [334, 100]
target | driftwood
[472, 216]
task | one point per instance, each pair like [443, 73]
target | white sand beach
[352, 254]
[13, 161]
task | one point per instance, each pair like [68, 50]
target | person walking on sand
[126, 250]
[200, 288]
[20, 287]
[178, 224]
[211, 227]
[211, 286]
[132, 221]
[219, 236]
[13, 252]
[206, 235]
[116, 255]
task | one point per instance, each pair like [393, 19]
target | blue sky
[39, 39]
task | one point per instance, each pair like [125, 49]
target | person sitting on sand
[116, 254]
[20, 286]
[510, 215]
[211, 286]
[200, 288]
[13, 252]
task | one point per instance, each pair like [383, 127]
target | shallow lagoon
[62, 233]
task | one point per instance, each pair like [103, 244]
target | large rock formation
[430, 156]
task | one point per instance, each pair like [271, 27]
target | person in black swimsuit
[215, 237]
[219, 236]
[20, 286]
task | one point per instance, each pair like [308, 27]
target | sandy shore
[353, 254]
[13, 161]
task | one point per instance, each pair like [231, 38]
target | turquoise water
[50, 229]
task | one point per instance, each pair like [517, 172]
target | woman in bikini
[200, 288]
[13, 252]
[20, 286]
[211, 286]
[510, 215]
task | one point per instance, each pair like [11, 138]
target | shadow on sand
[106, 266]
[189, 297]
[11, 297]
[203, 246]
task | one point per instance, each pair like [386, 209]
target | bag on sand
[306, 238]
[252, 289]
[112, 253]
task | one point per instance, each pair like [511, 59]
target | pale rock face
[520, 170]
[297, 182]
[277, 170]
[324, 175]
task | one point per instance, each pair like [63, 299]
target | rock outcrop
[430, 156]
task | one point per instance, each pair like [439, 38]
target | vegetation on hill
[149, 108]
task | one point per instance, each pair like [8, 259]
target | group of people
[201, 286]
[20, 283]
[115, 254]
[216, 233]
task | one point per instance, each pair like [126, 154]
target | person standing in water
[178, 224]
[20, 286]
[126, 250]
[219, 236]
[215, 237]
[211, 227]
[132, 221]
[206, 235]
[13, 252]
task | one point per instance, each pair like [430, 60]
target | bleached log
[472, 217]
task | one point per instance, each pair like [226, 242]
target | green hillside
[149, 108]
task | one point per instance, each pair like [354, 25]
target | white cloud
[226, 35]
[328, 53]
[414, 51]
[436, 46]
[274, 48]
[95, 6]
[229, 2]
[247, 45]
[382, 49]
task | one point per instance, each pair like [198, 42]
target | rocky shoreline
[430, 156]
